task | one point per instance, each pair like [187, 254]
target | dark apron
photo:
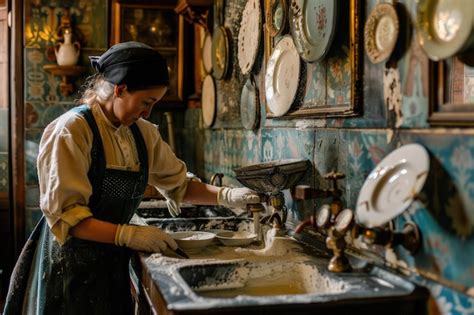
[83, 277]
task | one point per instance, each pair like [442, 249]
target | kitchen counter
[172, 285]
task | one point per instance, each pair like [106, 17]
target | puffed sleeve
[166, 172]
[63, 163]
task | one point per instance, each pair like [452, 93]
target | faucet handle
[305, 192]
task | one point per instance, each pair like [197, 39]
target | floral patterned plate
[392, 186]
[381, 32]
[312, 25]
[249, 35]
[282, 77]
[208, 101]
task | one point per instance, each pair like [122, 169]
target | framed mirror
[333, 85]
[451, 93]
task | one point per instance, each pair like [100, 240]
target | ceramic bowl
[193, 239]
[239, 238]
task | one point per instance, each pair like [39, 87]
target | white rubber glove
[237, 197]
[143, 238]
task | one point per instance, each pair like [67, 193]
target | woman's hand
[143, 238]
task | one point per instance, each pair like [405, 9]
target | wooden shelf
[66, 73]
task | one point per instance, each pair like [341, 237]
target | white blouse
[65, 157]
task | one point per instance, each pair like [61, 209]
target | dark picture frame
[451, 94]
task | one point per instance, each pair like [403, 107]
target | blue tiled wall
[354, 146]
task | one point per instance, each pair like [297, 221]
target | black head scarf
[135, 64]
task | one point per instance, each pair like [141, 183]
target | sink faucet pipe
[310, 222]
[216, 179]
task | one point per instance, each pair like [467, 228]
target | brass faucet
[331, 220]
[335, 230]
[409, 237]
[304, 192]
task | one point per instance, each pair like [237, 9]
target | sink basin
[262, 279]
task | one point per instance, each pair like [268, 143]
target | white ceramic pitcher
[67, 53]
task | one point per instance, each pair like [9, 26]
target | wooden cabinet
[159, 26]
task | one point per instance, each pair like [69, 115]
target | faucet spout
[308, 222]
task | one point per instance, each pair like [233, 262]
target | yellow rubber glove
[143, 238]
[237, 197]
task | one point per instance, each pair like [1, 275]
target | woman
[94, 163]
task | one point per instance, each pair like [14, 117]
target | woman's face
[129, 106]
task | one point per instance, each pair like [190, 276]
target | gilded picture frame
[349, 58]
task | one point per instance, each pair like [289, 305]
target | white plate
[282, 77]
[381, 32]
[249, 105]
[207, 53]
[392, 186]
[312, 25]
[239, 238]
[249, 35]
[208, 101]
[445, 27]
[193, 239]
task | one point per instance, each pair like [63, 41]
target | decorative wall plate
[249, 105]
[392, 186]
[208, 101]
[207, 53]
[282, 76]
[249, 35]
[276, 15]
[381, 32]
[220, 52]
[445, 27]
[312, 25]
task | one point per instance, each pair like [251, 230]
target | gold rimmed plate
[220, 52]
[312, 25]
[381, 32]
[445, 27]
[276, 15]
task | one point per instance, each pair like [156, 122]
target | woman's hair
[96, 89]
